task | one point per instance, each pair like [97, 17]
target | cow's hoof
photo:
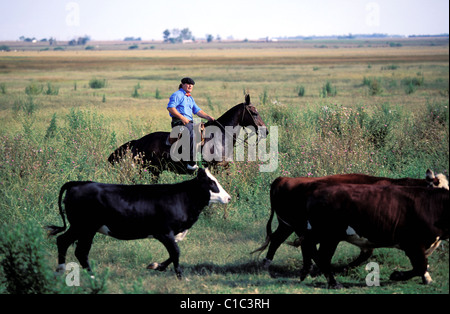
[157, 266]
[153, 266]
[304, 272]
[426, 279]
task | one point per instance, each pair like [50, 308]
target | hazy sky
[251, 19]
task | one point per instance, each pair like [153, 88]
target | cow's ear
[247, 99]
[201, 173]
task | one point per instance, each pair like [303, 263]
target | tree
[166, 34]
[209, 38]
[186, 34]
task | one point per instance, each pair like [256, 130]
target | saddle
[201, 130]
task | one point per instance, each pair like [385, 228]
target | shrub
[264, 97]
[328, 90]
[410, 88]
[52, 128]
[34, 89]
[411, 83]
[22, 260]
[379, 125]
[97, 83]
[374, 85]
[301, 91]
[4, 48]
[390, 67]
[24, 112]
[136, 92]
[158, 94]
[51, 89]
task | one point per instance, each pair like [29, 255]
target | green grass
[46, 140]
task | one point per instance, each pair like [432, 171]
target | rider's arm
[204, 115]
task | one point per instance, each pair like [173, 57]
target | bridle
[240, 123]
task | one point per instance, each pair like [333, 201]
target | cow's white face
[217, 197]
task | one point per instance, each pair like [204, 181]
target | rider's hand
[185, 120]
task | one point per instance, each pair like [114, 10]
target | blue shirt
[185, 105]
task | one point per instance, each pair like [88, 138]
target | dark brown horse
[155, 152]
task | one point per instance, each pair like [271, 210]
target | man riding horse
[159, 151]
[181, 108]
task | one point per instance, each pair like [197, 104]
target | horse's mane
[227, 116]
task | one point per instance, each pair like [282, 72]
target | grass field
[341, 107]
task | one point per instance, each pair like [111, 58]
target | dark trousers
[190, 127]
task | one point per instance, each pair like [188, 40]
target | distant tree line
[132, 39]
[81, 41]
[51, 40]
[177, 35]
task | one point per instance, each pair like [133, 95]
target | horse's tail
[52, 229]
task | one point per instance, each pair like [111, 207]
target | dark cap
[188, 80]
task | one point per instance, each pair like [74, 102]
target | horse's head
[251, 117]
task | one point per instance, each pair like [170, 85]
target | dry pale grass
[97, 60]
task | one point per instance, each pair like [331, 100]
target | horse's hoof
[266, 263]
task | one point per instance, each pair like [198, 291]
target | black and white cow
[127, 212]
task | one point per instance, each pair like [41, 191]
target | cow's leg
[160, 266]
[364, 255]
[276, 239]
[309, 252]
[83, 247]
[63, 242]
[325, 254]
[168, 240]
[419, 263]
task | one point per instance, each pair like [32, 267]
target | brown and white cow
[413, 219]
[289, 196]
[288, 200]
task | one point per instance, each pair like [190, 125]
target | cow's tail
[268, 234]
[52, 229]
